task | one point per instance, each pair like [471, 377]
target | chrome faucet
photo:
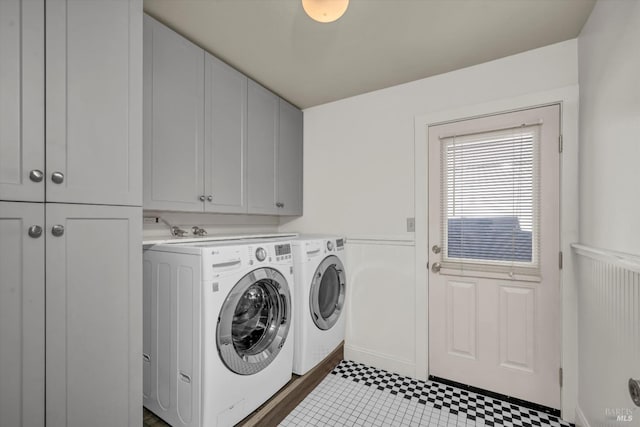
[175, 230]
[178, 232]
[197, 231]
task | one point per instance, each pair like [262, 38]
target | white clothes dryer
[218, 329]
[320, 282]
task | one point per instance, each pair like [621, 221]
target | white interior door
[494, 296]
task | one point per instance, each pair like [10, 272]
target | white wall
[609, 68]
[359, 181]
[609, 55]
[358, 152]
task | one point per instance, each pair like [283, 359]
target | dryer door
[326, 299]
[254, 321]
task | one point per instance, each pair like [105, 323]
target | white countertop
[157, 240]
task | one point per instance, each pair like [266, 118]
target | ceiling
[376, 44]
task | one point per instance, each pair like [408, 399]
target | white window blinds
[490, 201]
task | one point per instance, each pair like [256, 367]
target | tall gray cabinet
[70, 226]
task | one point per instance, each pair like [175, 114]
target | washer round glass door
[326, 298]
[254, 321]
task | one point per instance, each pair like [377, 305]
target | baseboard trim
[380, 361]
[581, 420]
[282, 403]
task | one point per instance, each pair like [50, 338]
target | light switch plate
[411, 224]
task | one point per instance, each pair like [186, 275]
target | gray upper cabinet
[195, 139]
[22, 245]
[214, 141]
[289, 172]
[173, 120]
[93, 102]
[22, 100]
[263, 139]
[275, 154]
[225, 138]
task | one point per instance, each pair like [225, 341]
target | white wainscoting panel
[380, 303]
[609, 336]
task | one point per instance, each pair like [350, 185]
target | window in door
[490, 201]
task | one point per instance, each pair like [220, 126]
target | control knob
[329, 245]
[261, 254]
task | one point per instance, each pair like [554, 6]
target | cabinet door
[262, 139]
[225, 138]
[21, 315]
[289, 172]
[94, 101]
[21, 99]
[174, 120]
[94, 316]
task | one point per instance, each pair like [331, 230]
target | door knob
[36, 175]
[57, 230]
[634, 391]
[35, 231]
[435, 267]
[436, 249]
[57, 177]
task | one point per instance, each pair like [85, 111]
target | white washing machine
[319, 299]
[218, 329]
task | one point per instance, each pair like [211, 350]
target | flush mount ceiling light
[325, 10]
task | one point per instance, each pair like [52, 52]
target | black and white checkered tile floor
[358, 395]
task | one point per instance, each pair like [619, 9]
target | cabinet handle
[279, 205]
[35, 231]
[210, 198]
[201, 198]
[57, 230]
[36, 175]
[57, 177]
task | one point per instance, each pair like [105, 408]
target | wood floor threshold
[282, 403]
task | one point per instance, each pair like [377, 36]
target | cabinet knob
[35, 231]
[201, 198]
[57, 177]
[279, 204]
[210, 198]
[57, 230]
[36, 175]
